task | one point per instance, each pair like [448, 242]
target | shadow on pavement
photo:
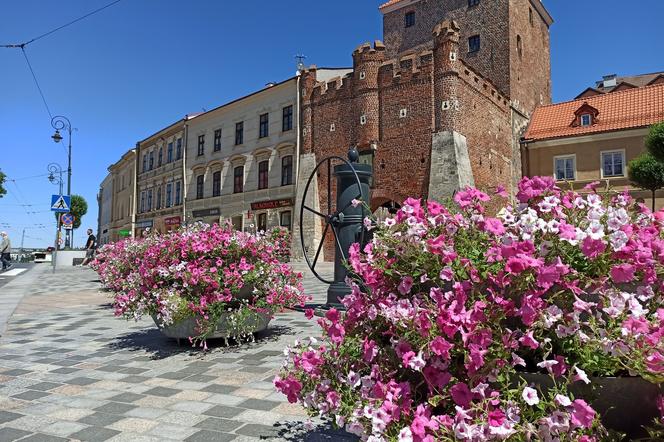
[297, 431]
[159, 346]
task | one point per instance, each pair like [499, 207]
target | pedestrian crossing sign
[60, 203]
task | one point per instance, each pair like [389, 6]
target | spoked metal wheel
[331, 218]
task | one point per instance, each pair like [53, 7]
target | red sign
[272, 204]
[173, 221]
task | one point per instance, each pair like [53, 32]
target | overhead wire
[36, 82]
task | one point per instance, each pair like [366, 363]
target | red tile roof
[627, 109]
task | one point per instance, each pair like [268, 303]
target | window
[613, 164]
[367, 157]
[145, 162]
[151, 161]
[217, 140]
[239, 133]
[287, 170]
[158, 197]
[262, 222]
[169, 194]
[142, 207]
[199, 186]
[149, 200]
[287, 120]
[285, 220]
[565, 168]
[201, 145]
[472, 3]
[474, 43]
[586, 120]
[160, 157]
[530, 16]
[177, 193]
[238, 179]
[410, 19]
[264, 126]
[169, 153]
[237, 222]
[178, 153]
[216, 183]
[262, 174]
[519, 46]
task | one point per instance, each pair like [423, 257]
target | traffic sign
[60, 203]
[67, 219]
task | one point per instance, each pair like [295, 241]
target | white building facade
[241, 161]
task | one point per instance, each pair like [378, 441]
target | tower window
[519, 46]
[472, 3]
[530, 16]
[474, 43]
[410, 19]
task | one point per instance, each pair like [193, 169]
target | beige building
[594, 138]
[241, 160]
[159, 177]
[122, 203]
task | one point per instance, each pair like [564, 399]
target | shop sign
[144, 224]
[206, 212]
[173, 221]
[271, 204]
[124, 233]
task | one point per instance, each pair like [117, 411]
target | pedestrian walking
[5, 250]
[90, 247]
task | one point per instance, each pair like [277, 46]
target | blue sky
[139, 65]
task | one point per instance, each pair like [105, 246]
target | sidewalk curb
[12, 293]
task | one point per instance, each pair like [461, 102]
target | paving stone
[30, 395]
[191, 406]
[82, 381]
[134, 424]
[134, 379]
[127, 397]
[257, 404]
[63, 428]
[44, 438]
[219, 424]
[8, 416]
[220, 389]
[94, 434]
[176, 432]
[16, 372]
[100, 419]
[257, 430]
[181, 418]
[45, 386]
[223, 411]
[210, 436]
[9, 434]
[115, 408]
[146, 412]
[162, 391]
[64, 370]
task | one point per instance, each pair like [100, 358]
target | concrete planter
[625, 404]
[187, 328]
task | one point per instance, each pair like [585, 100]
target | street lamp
[59, 123]
[55, 177]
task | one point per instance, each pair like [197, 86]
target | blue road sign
[67, 219]
[60, 203]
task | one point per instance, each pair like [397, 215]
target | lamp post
[62, 123]
[54, 169]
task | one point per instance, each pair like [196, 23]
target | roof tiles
[627, 109]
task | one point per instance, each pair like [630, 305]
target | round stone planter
[625, 404]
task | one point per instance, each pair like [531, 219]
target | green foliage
[655, 141]
[79, 207]
[3, 191]
[647, 172]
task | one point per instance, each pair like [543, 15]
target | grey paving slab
[76, 372]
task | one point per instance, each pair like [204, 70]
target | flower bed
[200, 272]
[450, 305]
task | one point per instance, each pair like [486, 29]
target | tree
[79, 207]
[655, 141]
[646, 172]
[2, 181]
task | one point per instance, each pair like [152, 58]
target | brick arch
[380, 197]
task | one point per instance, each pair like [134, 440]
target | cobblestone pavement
[69, 370]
